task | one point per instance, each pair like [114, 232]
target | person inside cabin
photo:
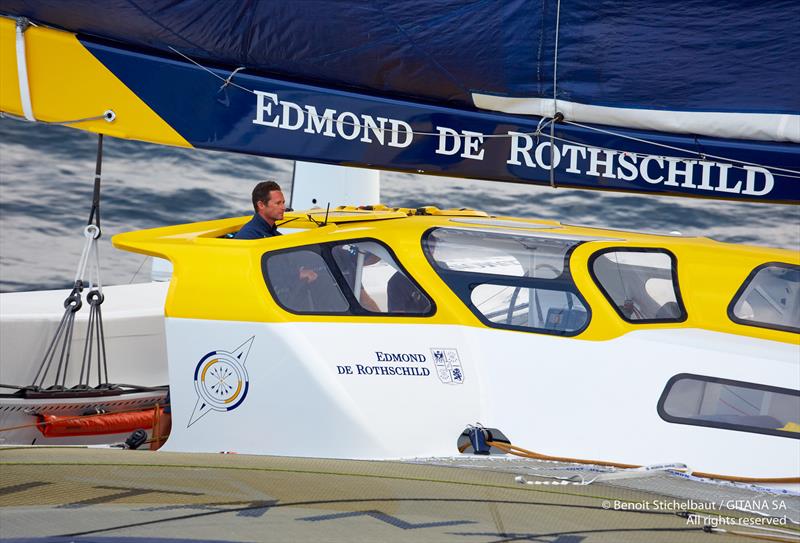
[269, 205]
[346, 257]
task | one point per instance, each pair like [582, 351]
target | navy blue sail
[689, 98]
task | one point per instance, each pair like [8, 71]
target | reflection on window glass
[302, 282]
[734, 405]
[510, 279]
[640, 284]
[515, 255]
[376, 281]
[771, 298]
[543, 309]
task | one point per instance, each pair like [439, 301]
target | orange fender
[92, 425]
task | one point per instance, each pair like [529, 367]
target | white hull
[561, 397]
[567, 398]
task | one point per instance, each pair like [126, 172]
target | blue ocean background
[47, 173]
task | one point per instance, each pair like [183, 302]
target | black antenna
[327, 210]
[288, 221]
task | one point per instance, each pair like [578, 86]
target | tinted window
[355, 278]
[376, 281]
[735, 405]
[641, 284]
[301, 282]
[769, 298]
[512, 280]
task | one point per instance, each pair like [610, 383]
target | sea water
[47, 175]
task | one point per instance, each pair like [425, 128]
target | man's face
[273, 209]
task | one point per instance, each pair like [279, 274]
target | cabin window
[733, 405]
[524, 307]
[513, 280]
[641, 284]
[302, 283]
[360, 277]
[769, 298]
[376, 281]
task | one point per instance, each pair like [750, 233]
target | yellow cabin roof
[221, 279]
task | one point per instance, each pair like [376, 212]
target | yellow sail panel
[67, 83]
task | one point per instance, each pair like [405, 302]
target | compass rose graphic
[220, 380]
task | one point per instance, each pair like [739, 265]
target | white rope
[543, 123]
[97, 267]
[92, 233]
[599, 475]
[22, 69]
[230, 77]
[224, 80]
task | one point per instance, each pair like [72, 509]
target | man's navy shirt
[257, 228]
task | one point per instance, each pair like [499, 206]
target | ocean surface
[47, 173]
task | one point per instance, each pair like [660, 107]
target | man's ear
[260, 205]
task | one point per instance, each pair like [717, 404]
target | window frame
[462, 283]
[746, 283]
[323, 249]
[672, 419]
[674, 269]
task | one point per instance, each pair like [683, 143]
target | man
[269, 205]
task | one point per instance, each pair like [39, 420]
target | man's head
[268, 201]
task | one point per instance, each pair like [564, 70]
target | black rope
[94, 214]
[87, 353]
[61, 343]
[71, 305]
[95, 299]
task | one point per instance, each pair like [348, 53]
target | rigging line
[107, 116]
[730, 390]
[227, 82]
[555, 98]
[94, 212]
[138, 269]
[224, 80]
[621, 280]
[230, 77]
[681, 149]
[733, 163]
[640, 155]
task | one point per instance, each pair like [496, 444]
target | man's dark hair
[261, 192]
